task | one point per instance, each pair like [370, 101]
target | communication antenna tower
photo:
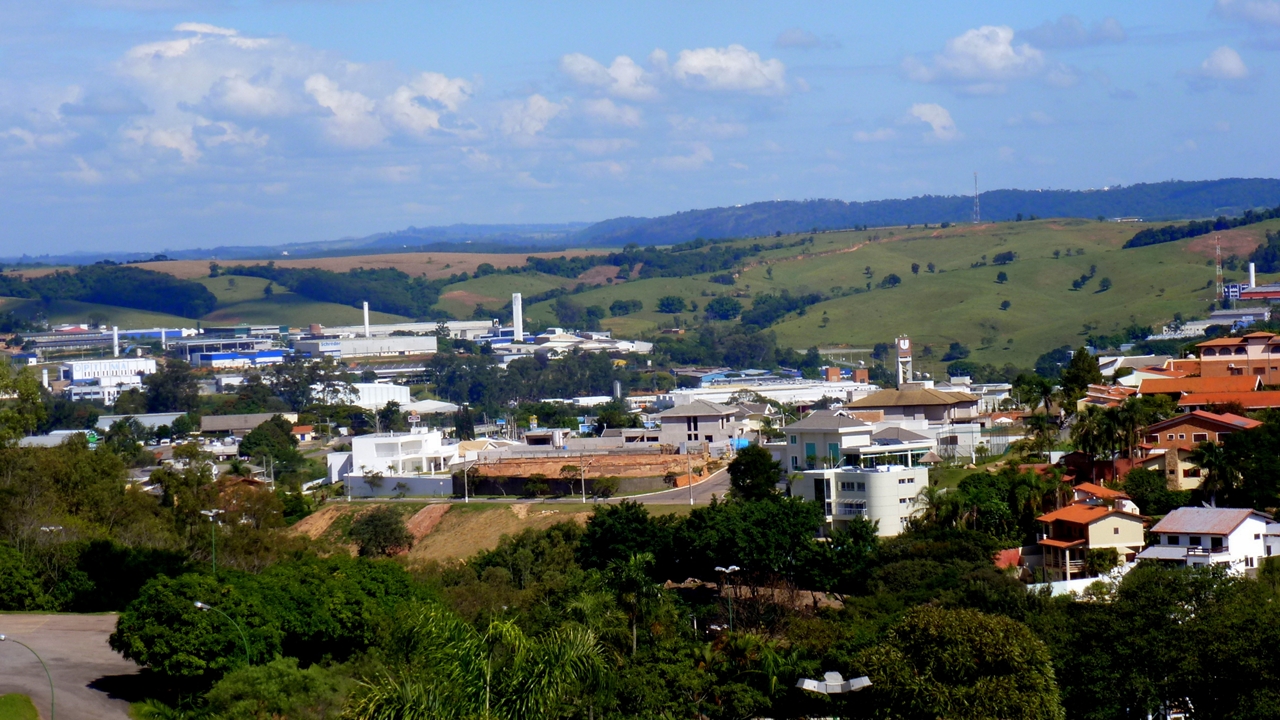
[977, 216]
[1217, 270]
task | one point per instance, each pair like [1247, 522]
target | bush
[956, 351]
[723, 308]
[279, 689]
[380, 531]
[671, 304]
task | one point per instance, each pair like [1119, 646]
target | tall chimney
[1253, 281]
[366, 321]
[44, 378]
[517, 317]
[115, 341]
[163, 344]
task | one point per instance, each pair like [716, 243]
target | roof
[930, 458]
[1230, 383]
[1230, 420]
[1250, 400]
[248, 421]
[909, 398]
[697, 408]
[303, 429]
[899, 434]
[1216, 342]
[1008, 558]
[1082, 514]
[825, 420]
[1205, 521]
[1163, 552]
[1100, 492]
[1053, 542]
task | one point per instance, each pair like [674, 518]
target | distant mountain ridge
[1171, 200]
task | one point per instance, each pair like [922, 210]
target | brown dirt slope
[426, 520]
[468, 530]
[431, 264]
[316, 524]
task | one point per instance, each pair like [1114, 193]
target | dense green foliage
[385, 289]
[1196, 228]
[121, 285]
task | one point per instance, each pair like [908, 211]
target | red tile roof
[1078, 513]
[1250, 400]
[1228, 420]
[1230, 383]
[1101, 492]
[1051, 542]
[1205, 521]
[1009, 558]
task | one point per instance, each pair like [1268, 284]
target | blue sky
[155, 124]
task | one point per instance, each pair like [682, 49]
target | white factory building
[358, 347]
[458, 329]
[370, 396]
[104, 380]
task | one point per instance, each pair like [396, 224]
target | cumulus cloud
[981, 60]
[1224, 64]
[624, 78]
[734, 68]
[800, 39]
[942, 127]
[204, 29]
[1070, 31]
[1253, 12]
[878, 135]
[611, 113]
[530, 117]
[417, 106]
[698, 157]
[352, 121]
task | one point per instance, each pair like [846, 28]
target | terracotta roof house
[1260, 400]
[1232, 537]
[1089, 493]
[1255, 355]
[1073, 531]
[1104, 396]
[1181, 386]
[1172, 442]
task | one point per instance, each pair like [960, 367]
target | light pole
[725, 573]
[833, 684]
[46, 670]
[689, 476]
[213, 535]
[207, 607]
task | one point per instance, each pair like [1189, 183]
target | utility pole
[689, 477]
[582, 470]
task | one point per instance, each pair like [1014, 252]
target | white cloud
[942, 127]
[1255, 12]
[173, 138]
[624, 78]
[981, 59]
[213, 134]
[878, 135]
[800, 39]
[530, 117]
[1224, 64]
[609, 112]
[526, 179]
[692, 127]
[204, 29]
[700, 155]
[405, 107]
[734, 68]
[239, 96]
[1069, 31]
[83, 173]
[352, 122]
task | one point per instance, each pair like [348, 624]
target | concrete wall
[436, 486]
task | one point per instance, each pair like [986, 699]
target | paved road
[75, 649]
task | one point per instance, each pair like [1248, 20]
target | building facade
[1191, 536]
[1256, 354]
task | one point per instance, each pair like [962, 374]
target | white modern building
[104, 380]
[1191, 536]
[378, 346]
[387, 464]
[855, 470]
[458, 329]
[790, 392]
[370, 396]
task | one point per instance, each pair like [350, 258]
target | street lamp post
[46, 670]
[833, 684]
[213, 535]
[725, 573]
[207, 607]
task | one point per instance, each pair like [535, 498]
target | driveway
[85, 670]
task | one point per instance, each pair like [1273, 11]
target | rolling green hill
[960, 302]
[494, 291]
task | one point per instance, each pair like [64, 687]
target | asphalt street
[84, 669]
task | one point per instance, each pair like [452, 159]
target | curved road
[87, 674]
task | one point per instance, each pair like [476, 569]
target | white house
[855, 470]
[699, 422]
[384, 464]
[1191, 536]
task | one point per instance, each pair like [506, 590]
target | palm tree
[451, 671]
[940, 507]
[636, 591]
[1220, 472]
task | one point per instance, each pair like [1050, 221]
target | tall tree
[172, 388]
[753, 474]
[1079, 374]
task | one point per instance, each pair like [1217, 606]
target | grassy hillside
[960, 302]
[494, 291]
[73, 311]
[240, 300]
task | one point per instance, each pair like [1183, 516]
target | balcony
[1196, 551]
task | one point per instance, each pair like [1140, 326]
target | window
[1239, 351]
[1171, 539]
[1259, 371]
[1194, 540]
[811, 454]
[1222, 435]
[1170, 436]
[903, 501]
[1153, 439]
[1115, 531]
[1182, 436]
[862, 487]
[1209, 352]
[1248, 562]
[1257, 536]
[795, 463]
[1199, 437]
[833, 451]
[793, 439]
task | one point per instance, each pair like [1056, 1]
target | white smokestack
[44, 378]
[163, 344]
[517, 317]
[366, 320]
[1253, 281]
[115, 341]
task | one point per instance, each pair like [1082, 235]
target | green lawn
[17, 707]
[646, 291]
[73, 311]
[494, 291]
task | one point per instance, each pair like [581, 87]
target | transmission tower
[1217, 270]
[977, 215]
